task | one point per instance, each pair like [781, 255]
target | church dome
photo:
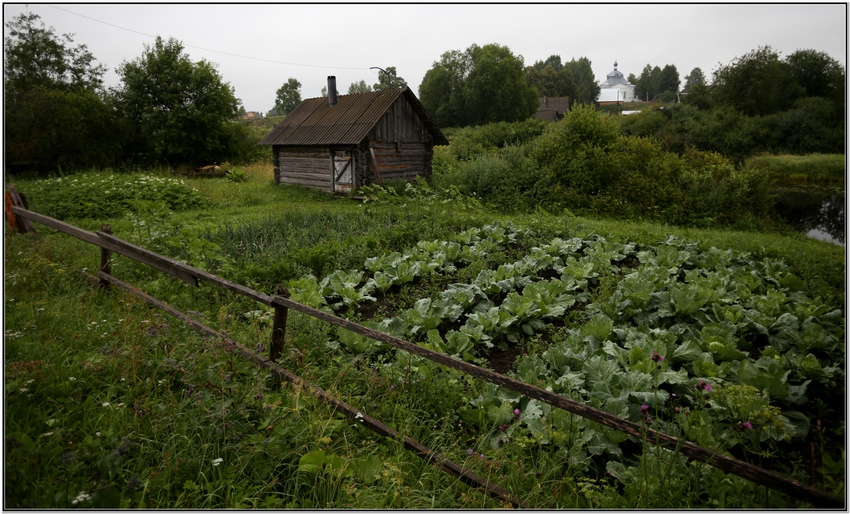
[615, 78]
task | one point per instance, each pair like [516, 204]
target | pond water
[816, 211]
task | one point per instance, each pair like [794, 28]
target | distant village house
[552, 108]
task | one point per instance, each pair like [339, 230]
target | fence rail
[281, 303]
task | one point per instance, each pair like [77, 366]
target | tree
[388, 79]
[496, 89]
[359, 87]
[553, 60]
[693, 78]
[551, 80]
[646, 85]
[180, 110]
[587, 89]
[287, 97]
[441, 90]
[668, 80]
[816, 74]
[476, 86]
[36, 56]
[55, 110]
[756, 84]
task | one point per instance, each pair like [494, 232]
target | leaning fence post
[279, 326]
[105, 256]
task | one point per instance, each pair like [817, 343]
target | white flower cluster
[80, 498]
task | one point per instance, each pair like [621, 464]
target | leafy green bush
[468, 142]
[237, 175]
[575, 153]
[242, 143]
[107, 195]
[718, 192]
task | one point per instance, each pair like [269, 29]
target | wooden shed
[342, 142]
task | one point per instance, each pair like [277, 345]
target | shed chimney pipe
[331, 90]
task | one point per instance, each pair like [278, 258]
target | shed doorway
[343, 171]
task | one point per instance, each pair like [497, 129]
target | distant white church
[616, 88]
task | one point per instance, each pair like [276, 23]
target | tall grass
[819, 169]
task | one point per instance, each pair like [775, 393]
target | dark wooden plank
[148, 257]
[85, 235]
[105, 258]
[319, 185]
[11, 219]
[377, 167]
[279, 326]
[185, 272]
[17, 201]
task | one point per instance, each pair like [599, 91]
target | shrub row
[585, 164]
[811, 126]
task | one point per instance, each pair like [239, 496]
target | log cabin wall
[308, 166]
[402, 145]
[414, 160]
[400, 123]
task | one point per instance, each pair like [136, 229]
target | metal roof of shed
[348, 122]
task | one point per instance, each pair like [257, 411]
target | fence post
[105, 256]
[279, 326]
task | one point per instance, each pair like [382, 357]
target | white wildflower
[47, 434]
[105, 404]
[71, 379]
[217, 461]
[358, 417]
[80, 498]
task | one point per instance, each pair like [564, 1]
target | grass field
[111, 403]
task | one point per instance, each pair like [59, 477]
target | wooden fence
[282, 303]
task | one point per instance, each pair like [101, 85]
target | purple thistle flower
[470, 451]
[501, 441]
[516, 412]
[644, 407]
[746, 425]
[656, 357]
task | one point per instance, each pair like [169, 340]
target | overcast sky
[258, 47]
